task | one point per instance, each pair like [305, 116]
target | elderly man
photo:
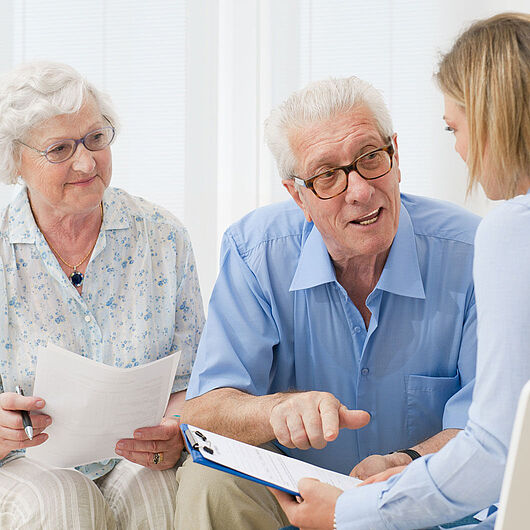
[351, 297]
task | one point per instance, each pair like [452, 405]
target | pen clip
[191, 440]
[206, 446]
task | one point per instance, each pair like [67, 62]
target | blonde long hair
[487, 71]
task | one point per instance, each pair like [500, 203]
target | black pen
[26, 420]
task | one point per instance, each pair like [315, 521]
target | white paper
[93, 405]
[275, 468]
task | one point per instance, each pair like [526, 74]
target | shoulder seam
[245, 252]
[445, 238]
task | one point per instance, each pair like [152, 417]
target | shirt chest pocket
[426, 399]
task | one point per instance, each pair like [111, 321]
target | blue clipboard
[196, 440]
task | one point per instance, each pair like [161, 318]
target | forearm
[431, 445]
[233, 413]
[458, 480]
[175, 403]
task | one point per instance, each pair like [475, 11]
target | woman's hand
[315, 510]
[12, 434]
[164, 440]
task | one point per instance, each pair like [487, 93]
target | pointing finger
[353, 419]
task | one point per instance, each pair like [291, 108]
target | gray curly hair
[320, 101]
[34, 92]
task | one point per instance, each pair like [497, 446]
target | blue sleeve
[457, 407]
[236, 347]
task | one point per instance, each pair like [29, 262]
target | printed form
[264, 465]
[93, 405]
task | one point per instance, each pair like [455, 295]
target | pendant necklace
[76, 277]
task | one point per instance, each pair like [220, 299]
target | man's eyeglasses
[65, 149]
[370, 166]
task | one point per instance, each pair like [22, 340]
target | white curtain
[194, 80]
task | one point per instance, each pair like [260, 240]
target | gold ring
[158, 458]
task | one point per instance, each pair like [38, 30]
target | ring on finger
[158, 458]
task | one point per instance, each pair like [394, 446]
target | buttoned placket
[86, 317]
[364, 390]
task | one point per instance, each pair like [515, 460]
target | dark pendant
[77, 278]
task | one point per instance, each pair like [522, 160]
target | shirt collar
[23, 229]
[401, 273]
[314, 265]
[21, 224]
[115, 214]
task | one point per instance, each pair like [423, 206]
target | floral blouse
[140, 301]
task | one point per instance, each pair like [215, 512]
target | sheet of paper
[267, 466]
[94, 405]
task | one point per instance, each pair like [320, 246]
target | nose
[83, 159]
[359, 189]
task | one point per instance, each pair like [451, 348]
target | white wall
[244, 56]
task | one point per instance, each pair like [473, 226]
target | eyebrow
[370, 142]
[55, 139]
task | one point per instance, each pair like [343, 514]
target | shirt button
[356, 329]
[87, 318]
[365, 371]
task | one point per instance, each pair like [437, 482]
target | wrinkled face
[362, 221]
[76, 185]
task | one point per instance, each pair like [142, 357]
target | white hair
[34, 92]
[320, 101]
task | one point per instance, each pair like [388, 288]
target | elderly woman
[94, 270]
[485, 80]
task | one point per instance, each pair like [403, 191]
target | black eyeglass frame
[77, 142]
[309, 183]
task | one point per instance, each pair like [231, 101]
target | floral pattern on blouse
[141, 299]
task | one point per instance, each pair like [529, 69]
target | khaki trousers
[208, 499]
[34, 496]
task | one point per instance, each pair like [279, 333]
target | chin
[372, 247]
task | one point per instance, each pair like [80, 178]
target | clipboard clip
[206, 446]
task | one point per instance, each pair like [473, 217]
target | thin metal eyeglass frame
[77, 142]
[309, 183]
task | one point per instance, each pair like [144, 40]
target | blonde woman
[485, 79]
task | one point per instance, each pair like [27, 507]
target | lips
[368, 219]
[84, 181]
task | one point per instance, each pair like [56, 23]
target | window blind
[136, 52]
[393, 45]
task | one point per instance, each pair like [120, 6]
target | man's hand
[164, 439]
[384, 475]
[375, 464]
[312, 419]
[315, 510]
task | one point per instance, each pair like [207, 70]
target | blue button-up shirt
[466, 474]
[278, 320]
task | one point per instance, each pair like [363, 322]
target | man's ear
[291, 187]
[396, 156]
